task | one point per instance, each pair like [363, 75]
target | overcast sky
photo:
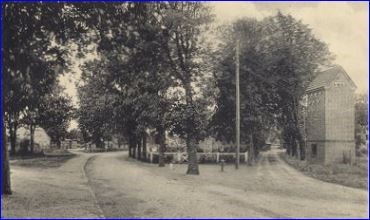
[342, 25]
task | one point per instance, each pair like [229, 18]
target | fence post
[222, 165]
[217, 157]
[344, 158]
[151, 157]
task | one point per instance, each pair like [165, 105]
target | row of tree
[34, 56]
[145, 53]
[279, 57]
[155, 70]
[31, 94]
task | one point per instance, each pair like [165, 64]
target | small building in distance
[330, 117]
[41, 139]
[69, 144]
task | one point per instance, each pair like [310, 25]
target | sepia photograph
[185, 109]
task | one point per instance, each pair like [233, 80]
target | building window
[338, 84]
[314, 150]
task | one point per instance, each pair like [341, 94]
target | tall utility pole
[237, 160]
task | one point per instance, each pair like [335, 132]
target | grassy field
[354, 176]
[42, 162]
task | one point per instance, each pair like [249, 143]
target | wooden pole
[237, 159]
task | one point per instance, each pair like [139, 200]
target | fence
[180, 157]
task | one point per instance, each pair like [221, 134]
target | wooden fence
[182, 156]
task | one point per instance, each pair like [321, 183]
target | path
[61, 192]
[128, 188]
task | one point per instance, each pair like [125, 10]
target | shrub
[207, 158]
[169, 158]
[23, 146]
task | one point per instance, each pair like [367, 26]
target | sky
[342, 25]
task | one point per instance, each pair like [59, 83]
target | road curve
[128, 188]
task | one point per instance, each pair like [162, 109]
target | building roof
[324, 78]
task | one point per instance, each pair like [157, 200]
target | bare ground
[121, 187]
[54, 192]
[127, 188]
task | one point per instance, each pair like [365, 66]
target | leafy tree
[257, 97]
[74, 134]
[55, 115]
[158, 49]
[361, 119]
[28, 60]
[182, 25]
[279, 57]
[134, 71]
[361, 110]
[95, 112]
[294, 56]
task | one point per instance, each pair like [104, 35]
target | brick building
[330, 117]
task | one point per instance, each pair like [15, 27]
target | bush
[23, 146]
[344, 174]
[362, 151]
[169, 158]
[207, 158]
[227, 158]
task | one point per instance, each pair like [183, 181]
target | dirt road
[128, 188]
[61, 192]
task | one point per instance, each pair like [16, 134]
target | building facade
[41, 139]
[330, 117]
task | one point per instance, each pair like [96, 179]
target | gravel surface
[128, 188]
[54, 192]
[117, 186]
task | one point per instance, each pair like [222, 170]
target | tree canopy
[279, 56]
[154, 70]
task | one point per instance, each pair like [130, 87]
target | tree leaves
[279, 56]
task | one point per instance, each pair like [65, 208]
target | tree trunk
[14, 126]
[138, 148]
[287, 145]
[300, 139]
[134, 146]
[302, 150]
[255, 149]
[144, 146]
[59, 143]
[294, 146]
[5, 189]
[13, 139]
[32, 135]
[12, 149]
[119, 143]
[130, 146]
[251, 152]
[162, 146]
[129, 150]
[98, 142]
[193, 168]
[297, 132]
[290, 146]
